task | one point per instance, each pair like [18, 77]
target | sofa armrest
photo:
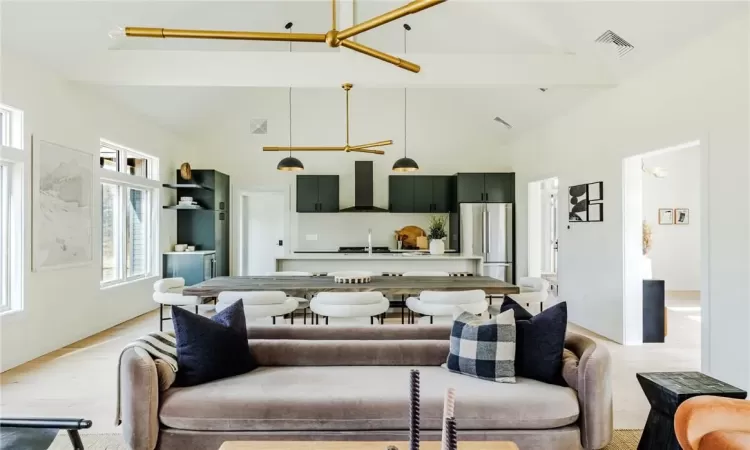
[594, 388]
[139, 399]
[698, 416]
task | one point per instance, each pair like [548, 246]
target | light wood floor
[80, 380]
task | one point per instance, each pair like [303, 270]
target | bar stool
[418, 273]
[347, 308]
[443, 304]
[258, 304]
[303, 303]
[168, 291]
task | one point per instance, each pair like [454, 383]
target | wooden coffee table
[344, 445]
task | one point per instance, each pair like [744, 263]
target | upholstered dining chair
[534, 293]
[259, 304]
[418, 273]
[168, 291]
[350, 308]
[708, 422]
[302, 303]
[441, 305]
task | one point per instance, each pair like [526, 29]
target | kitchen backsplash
[350, 229]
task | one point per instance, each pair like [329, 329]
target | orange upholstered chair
[713, 423]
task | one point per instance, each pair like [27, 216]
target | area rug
[621, 440]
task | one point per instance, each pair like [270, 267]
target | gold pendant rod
[410, 66]
[334, 16]
[347, 87]
[373, 144]
[217, 34]
[410, 8]
[373, 151]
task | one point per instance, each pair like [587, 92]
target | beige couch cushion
[362, 398]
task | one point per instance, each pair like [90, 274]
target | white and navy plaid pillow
[484, 349]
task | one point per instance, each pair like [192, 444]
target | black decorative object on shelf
[414, 410]
[586, 202]
[665, 392]
[452, 435]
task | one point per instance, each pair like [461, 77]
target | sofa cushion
[484, 348]
[362, 398]
[539, 345]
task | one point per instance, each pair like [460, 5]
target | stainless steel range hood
[363, 189]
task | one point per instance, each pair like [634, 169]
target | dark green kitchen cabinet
[420, 193]
[401, 193]
[317, 193]
[486, 187]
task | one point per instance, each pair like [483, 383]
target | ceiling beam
[313, 69]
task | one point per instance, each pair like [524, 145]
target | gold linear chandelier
[363, 148]
[334, 37]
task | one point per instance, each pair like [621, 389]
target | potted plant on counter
[437, 235]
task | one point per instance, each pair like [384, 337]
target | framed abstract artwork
[666, 216]
[681, 216]
[586, 202]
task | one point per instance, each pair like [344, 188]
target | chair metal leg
[161, 317]
[372, 322]
[431, 320]
[196, 309]
[304, 316]
[291, 317]
[326, 320]
[273, 319]
[75, 439]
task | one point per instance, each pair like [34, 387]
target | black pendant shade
[405, 165]
[291, 164]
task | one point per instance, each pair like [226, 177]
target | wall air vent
[609, 37]
[507, 125]
[258, 126]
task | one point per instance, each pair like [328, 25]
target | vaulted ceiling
[500, 52]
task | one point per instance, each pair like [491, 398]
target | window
[129, 218]
[4, 239]
[13, 160]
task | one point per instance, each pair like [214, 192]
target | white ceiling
[67, 35]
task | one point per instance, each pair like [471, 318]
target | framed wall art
[666, 216]
[681, 216]
[586, 202]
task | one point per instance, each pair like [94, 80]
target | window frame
[124, 181]
[14, 164]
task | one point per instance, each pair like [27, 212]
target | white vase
[646, 268]
[437, 247]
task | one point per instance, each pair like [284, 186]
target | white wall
[63, 306]
[701, 92]
[446, 134]
[676, 249]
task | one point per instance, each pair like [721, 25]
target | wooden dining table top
[388, 285]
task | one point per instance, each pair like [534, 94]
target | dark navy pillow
[210, 349]
[540, 342]
[519, 311]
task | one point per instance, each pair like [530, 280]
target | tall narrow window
[13, 162]
[128, 214]
[4, 239]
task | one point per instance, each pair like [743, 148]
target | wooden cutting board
[408, 236]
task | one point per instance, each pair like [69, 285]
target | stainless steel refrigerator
[487, 231]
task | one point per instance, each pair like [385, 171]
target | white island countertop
[378, 256]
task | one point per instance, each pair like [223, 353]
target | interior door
[263, 231]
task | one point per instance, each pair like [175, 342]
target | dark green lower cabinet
[194, 267]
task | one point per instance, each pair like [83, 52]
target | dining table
[301, 286]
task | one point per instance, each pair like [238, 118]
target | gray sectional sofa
[329, 383]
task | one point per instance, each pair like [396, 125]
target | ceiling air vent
[611, 38]
[258, 126]
[507, 125]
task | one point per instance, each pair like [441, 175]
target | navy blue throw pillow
[210, 349]
[540, 342]
[518, 311]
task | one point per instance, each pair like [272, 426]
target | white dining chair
[350, 308]
[534, 293]
[259, 304]
[302, 303]
[168, 291]
[440, 306]
[418, 273]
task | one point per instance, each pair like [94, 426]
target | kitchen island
[380, 262]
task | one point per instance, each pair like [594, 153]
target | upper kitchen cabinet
[420, 193]
[486, 187]
[317, 193]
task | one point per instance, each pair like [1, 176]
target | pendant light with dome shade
[290, 163]
[405, 164]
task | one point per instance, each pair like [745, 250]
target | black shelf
[197, 208]
[186, 186]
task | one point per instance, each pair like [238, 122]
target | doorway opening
[543, 222]
[263, 230]
[664, 252]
